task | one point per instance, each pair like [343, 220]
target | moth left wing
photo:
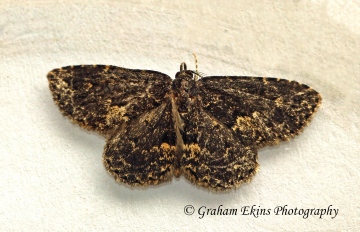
[142, 152]
[259, 111]
[101, 98]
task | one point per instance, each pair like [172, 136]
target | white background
[51, 174]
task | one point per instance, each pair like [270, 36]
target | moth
[208, 130]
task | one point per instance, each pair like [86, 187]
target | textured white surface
[51, 175]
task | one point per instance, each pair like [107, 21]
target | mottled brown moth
[156, 128]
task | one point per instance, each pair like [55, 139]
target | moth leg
[143, 151]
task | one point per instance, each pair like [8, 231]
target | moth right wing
[212, 156]
[101, 98]
[259, 111]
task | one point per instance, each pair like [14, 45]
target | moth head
[186, 74]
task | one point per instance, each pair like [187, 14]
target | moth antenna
[183, 67]
[196, 62]
[196, 67]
